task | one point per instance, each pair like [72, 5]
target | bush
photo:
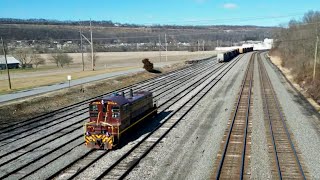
[147, 65]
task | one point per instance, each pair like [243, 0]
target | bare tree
[23, 55]
[65, 59]
[37, 60]
[296, 45]
[61, 59]
[55, 58]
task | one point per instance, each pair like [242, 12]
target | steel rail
[66, 108]
[270, 124]
[262, 68]
[48, 136]
[176, 81]
[193, 86]
[136, 161]
[52, 151]
[172, 89]
[219, 169]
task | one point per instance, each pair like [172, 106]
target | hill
[41, 31]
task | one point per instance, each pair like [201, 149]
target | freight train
[229, 55]
[113, 115]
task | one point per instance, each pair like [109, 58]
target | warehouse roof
[10, 60]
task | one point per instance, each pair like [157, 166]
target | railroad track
[233, 159]
[6, 127]
[165, 105]
[285, 160]
[76, 141]
[126, 163]
[15, 133]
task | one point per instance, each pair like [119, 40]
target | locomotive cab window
[115, 109]
[115, 112]
[93, 107]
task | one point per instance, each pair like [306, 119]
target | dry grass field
[107, 62]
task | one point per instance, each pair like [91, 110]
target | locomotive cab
[111, 116]
[100, 130]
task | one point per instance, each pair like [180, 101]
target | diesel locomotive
[113, 115]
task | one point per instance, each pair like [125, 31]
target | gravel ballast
[302, 121]
[260, 165]
[191, 148]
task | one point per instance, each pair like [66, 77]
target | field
[107, 62]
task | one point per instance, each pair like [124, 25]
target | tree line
[45, 32]
[296, 45]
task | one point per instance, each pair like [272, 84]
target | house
[13, 63]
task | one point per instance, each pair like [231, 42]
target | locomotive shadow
[146, 126]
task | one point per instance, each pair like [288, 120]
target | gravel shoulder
[259, 162]
[191, 148]
[302, 120]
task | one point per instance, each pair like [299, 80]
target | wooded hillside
[296, 45]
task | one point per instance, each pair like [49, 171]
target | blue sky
[192, 12]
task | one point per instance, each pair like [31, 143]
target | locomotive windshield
[93, 108]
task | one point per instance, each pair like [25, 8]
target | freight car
[227, 56]
[245, 50]
[113, 115]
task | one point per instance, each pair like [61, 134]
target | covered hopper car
[113, 115]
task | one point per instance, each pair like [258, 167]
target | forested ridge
[45, 30]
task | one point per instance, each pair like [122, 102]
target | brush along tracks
[285, 160]
[233, 159]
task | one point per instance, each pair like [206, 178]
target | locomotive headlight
[88, 133]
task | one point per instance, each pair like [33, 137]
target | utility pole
[160, 47]
[315, 59]
[198, 44]
[93, 64]
[81, 46]
[165, 39]
[5, 57]
[202, 45]
[91, 43]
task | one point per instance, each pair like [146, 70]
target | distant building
[13, 63]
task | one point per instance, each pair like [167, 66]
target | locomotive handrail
[98, 118]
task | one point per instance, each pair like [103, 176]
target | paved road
[54, 87]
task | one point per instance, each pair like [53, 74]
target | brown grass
[31, 82]
[107, 62]
[309, 90]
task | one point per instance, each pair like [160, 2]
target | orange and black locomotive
[113, 115]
